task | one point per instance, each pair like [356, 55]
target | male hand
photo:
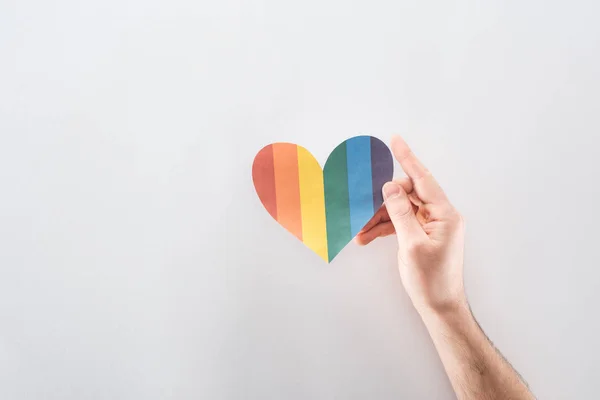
[430, 235]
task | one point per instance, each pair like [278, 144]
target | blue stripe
[360, 186]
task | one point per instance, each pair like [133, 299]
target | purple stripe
[382, 169]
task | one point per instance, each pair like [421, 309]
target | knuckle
[451, 214]
[400, 213]
[457, 217]
[401, 209]
[457, 221]
[423, 175]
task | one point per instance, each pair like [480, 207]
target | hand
[430, 235]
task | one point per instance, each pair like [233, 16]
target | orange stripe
[287, 187]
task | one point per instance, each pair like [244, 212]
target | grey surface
[136, 261]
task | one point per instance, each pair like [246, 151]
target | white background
[136, 261]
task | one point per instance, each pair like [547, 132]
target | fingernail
[390, 189]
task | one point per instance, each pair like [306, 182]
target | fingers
[426, 187]
[381, 230]
[402, 215]
[375, 219]
[382, 215]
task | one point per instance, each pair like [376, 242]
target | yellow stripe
[312, 203]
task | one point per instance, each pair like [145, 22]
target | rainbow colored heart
[324, 208]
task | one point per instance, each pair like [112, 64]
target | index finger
[425, 185]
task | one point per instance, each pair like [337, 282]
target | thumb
[402, 214]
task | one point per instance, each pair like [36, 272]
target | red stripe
[263, 175]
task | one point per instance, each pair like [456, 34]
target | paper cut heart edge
[323, 207]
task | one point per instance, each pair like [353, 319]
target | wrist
[450, 311]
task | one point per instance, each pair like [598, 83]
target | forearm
[475, 368]
[431, 234]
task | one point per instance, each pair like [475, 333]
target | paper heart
[324, 208]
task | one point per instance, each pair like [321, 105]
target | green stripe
[337, 202]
